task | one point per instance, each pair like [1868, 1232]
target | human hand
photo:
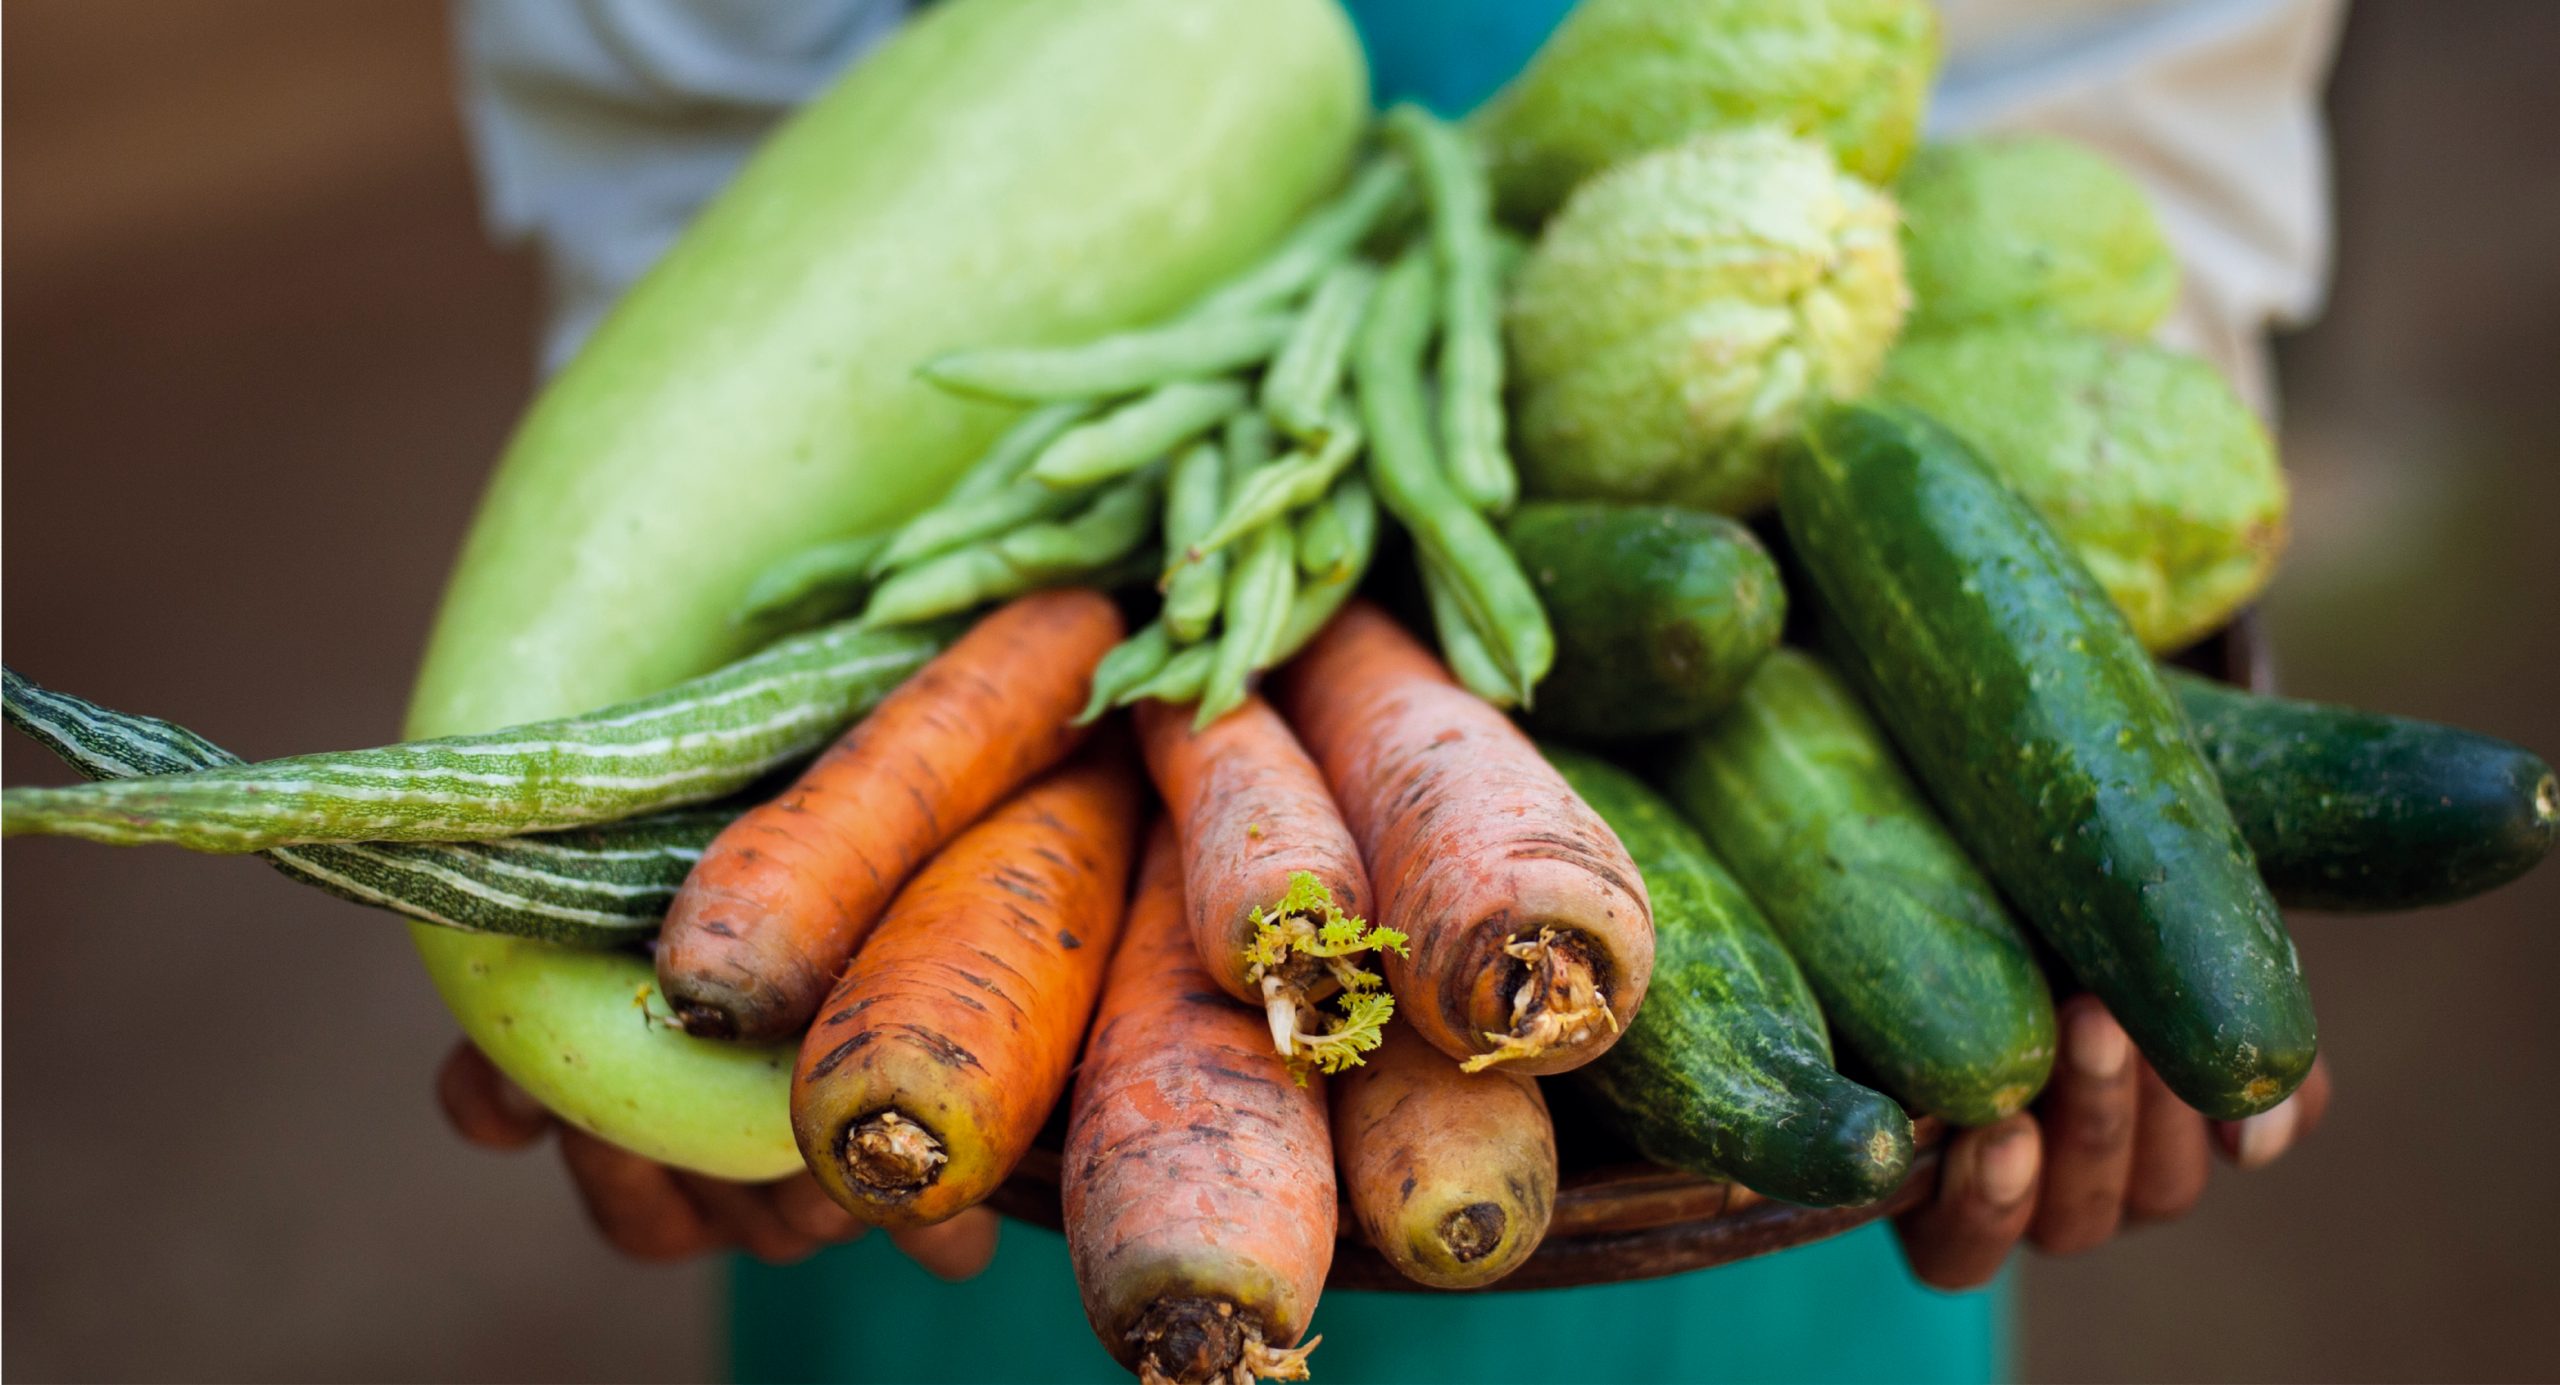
[649, 1211]
[2106, 1145]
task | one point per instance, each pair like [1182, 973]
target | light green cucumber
[1920, 968]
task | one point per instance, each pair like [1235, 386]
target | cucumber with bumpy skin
[2041, 727]
[2361, 812]
[1917, 961]
[1660, 614]
[1726, 1070]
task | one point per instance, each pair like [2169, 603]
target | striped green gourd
[696, 741]
[589, 887]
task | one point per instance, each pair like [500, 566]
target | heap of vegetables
[1318, 891]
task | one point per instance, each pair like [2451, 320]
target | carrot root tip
[1471, 1232]
[1203, 1341]
[892, 1156]
[706, 1021]
[1556, 1005]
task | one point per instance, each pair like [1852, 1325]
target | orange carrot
[1271, 879]
[1451, 1177]
[952, 1033]
[783, 895]
[1198, 1178]
[1532, 938]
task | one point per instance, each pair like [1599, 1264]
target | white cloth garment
[599, 126]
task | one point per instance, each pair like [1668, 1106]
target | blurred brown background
[259, 355]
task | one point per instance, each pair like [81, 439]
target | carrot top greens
[1302, 955]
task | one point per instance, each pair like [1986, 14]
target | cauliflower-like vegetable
[2141, 458]
[1621, 77]
[2031, 227]
[1684, 308]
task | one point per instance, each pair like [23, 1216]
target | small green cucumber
[1660, 613]
[1918, 964]
[1726, 1070]
[2360, 812]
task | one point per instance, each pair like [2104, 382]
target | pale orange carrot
[781, 898]
[1531, 935]
[1271, 880]
[1451, 1176]
[1198, 1178]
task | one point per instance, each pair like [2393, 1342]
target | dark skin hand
[2106, 1147]
[649, 1211]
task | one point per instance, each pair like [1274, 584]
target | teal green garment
[1843, 1310]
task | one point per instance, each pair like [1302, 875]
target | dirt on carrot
[780, 900]
[1180, 1103]
[1272, 882]
[1452, 1177]
[940, 1053]
[1531, 937]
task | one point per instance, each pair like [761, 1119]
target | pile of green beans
[1251, 440]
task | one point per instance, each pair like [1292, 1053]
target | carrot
[1198, 1178]
[952, 1033]
[781, 897]
[1531, 935]
[1271, 880]
[1451, 1177]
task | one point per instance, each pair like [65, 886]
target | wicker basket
[1618, 1218]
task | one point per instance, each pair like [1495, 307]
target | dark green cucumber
[1660, 614]
[2034, 718]
[2360, 812]
[1917, 962]
[1726, 1070]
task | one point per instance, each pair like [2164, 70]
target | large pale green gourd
[1004, 171]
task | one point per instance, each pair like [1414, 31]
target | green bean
[1136, 433]
[1510, 248]
[1318, 242]
[1324, 530]
[1186, 674]
[1180, 680]
[820, 580]
[1471, 422]
[1123, 363]
[991, 496]
[1260, 585]
[1017, 447]
[1291, 483]
[1317, 600]
[1130, 664]
[1485, 580]
[1299, 388]
[699, 740]
[588, 887]
[1037, 555]
[1193, 498]
[1464, 646]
